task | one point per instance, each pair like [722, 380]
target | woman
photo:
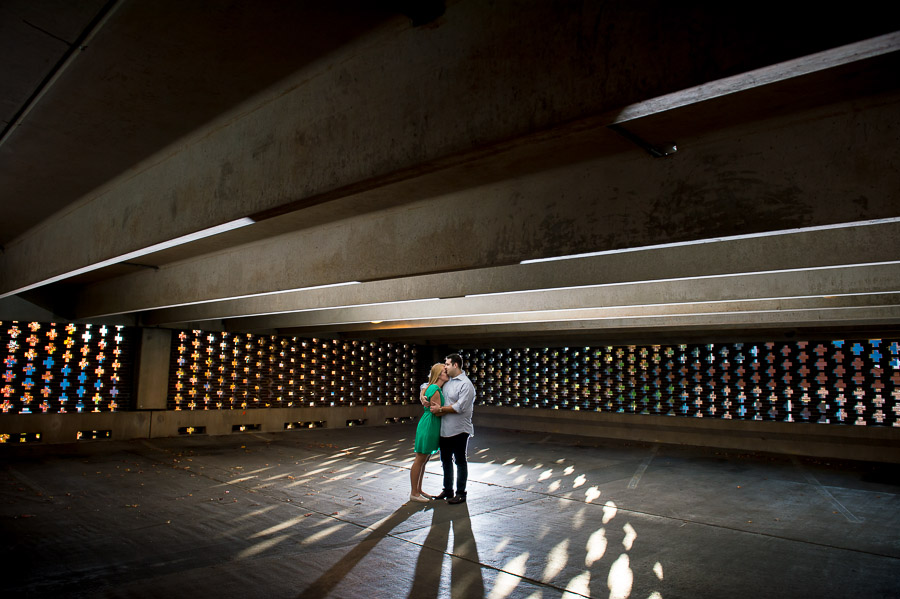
[428, 432]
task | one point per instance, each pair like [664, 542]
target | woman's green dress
[428, 432]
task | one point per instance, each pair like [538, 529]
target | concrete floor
[322, 513]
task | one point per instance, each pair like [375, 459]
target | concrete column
[153, 369]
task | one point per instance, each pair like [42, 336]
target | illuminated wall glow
[827, 382]
[224, 371]
[72, 368]
[65, 368]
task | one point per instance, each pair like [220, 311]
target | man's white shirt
[459, 394]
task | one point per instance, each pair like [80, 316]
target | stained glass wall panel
[63, 368]
[214, 371]
[827, 382]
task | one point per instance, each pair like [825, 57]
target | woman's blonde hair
[436, 371]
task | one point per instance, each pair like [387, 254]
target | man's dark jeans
[453, 449]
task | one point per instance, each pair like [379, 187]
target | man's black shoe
[457, 499]
[445, 494]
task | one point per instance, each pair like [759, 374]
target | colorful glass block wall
[828, 382]
[61, 368]
[215, 371]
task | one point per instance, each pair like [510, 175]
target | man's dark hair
[455, 359]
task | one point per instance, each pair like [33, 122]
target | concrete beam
[654, 328]
[798, 308]
[17, 308]
[301, 143]
[751, 179]
[551, 305]
[860, 244]
[789, 69]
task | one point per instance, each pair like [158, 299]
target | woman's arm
[436, 399]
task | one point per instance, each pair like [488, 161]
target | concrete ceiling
[400, 170]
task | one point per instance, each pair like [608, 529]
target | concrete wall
[152, 420]
[220, 422]
[63, 428]
[879, 444]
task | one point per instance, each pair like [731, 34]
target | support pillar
[153, 369]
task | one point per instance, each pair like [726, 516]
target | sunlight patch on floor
[620, 578]
[556, 560]
[580, 586]
[630, 536]
[509, 578]
[609, 511]
[255, 513]
[262, 546]
[322, 534]
[279, 527]
[596, 547]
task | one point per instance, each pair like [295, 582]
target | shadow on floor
[465, 568]
[332, 577]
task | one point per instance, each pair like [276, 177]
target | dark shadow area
[154, 72]
[336, 573]
[885, 474]
[465, 571]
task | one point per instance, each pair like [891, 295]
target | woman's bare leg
[422, 475]
[415, 473]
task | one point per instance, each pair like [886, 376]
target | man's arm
[465, 401]
[435, 401]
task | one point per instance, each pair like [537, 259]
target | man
[456, 428]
